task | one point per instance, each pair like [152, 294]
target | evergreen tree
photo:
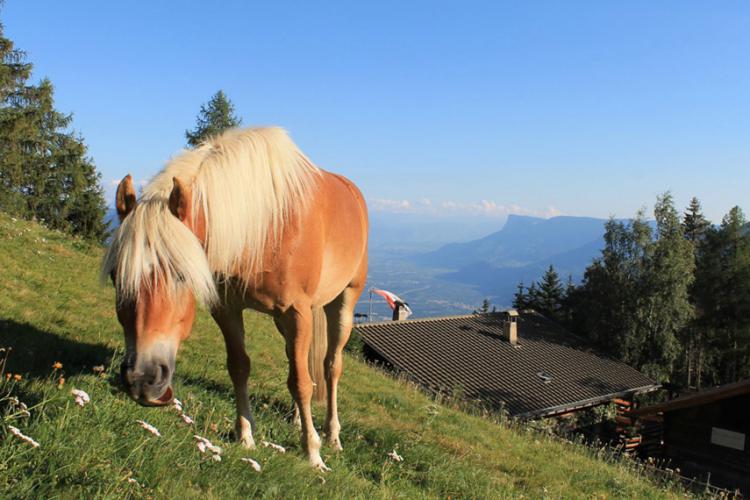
[215, 117]
[14, 72]
[692, 338]
[520, 299]
[723, 297]
[44, 170]
[665, 308]
[694, 224]
[532, 296]
[570, 306]
[551, 294]
[484, 308]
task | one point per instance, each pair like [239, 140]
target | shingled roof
[549, 371]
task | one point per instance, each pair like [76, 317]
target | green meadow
[53, 310]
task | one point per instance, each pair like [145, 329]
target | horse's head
[158, 266]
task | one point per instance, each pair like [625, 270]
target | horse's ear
[179, 199]
[125, 197]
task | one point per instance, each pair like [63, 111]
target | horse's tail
[318, 351]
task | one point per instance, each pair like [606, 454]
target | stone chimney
[510, 328]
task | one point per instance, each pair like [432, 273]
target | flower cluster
[177, 405]
[81, 397]
[23, 437]
[205, 445]
[150, 428]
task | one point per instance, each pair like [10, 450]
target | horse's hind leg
[339, 316]
[296, 326]
[238, 364]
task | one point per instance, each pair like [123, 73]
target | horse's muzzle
[149, 385]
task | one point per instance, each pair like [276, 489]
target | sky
[436, 108]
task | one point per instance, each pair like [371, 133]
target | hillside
[53, 310]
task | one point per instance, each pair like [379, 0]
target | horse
[245, 220]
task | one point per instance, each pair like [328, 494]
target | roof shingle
[469, 352]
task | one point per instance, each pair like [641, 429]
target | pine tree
[484, 308]
[520, 299]
[215, 117]
[694, 226]
[551, 294]
[44, 170]
[14, 72]
[723, 296]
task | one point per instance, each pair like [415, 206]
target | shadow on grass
[34, 351]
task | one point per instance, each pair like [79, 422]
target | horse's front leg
[238, 364]
[296, 326]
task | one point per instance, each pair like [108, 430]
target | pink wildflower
[255, 465]
[20, 435]
[150, 428]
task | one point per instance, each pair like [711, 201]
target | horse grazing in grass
[243, 221]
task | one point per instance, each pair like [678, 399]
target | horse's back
[344, 214]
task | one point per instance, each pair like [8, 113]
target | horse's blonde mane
[248, 183]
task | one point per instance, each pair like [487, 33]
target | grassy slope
[52, 309]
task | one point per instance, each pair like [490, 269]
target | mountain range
[520, 252]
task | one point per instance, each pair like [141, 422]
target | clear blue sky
[581, 108]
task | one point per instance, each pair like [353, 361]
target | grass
[52, 309]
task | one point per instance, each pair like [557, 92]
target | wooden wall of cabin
[688, 434]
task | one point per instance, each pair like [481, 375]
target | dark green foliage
[665, 308]
[694, 224]
[674, 302]
[44, 171]
[485, 307]
[551, 293]
[693, 337]
[520, 299]
[722, 295]
[612, 283]
[634, 300]
[215, 117]
[546, 297]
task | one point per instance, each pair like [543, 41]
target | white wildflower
[274, 446]
[81, 397]
[395, 456]
[150, 428]
[20, 435]
[186, 419]
[204, 444]
[255, 465]
[216, 458]
[177, 405]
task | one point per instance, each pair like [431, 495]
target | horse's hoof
[321, 467]
[318, 464]
[248, 443]
[335, 444]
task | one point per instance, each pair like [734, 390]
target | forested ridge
[670, 297]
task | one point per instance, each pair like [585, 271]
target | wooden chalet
[521, 363]
[706, 435]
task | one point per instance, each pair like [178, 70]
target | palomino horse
[244, 221]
